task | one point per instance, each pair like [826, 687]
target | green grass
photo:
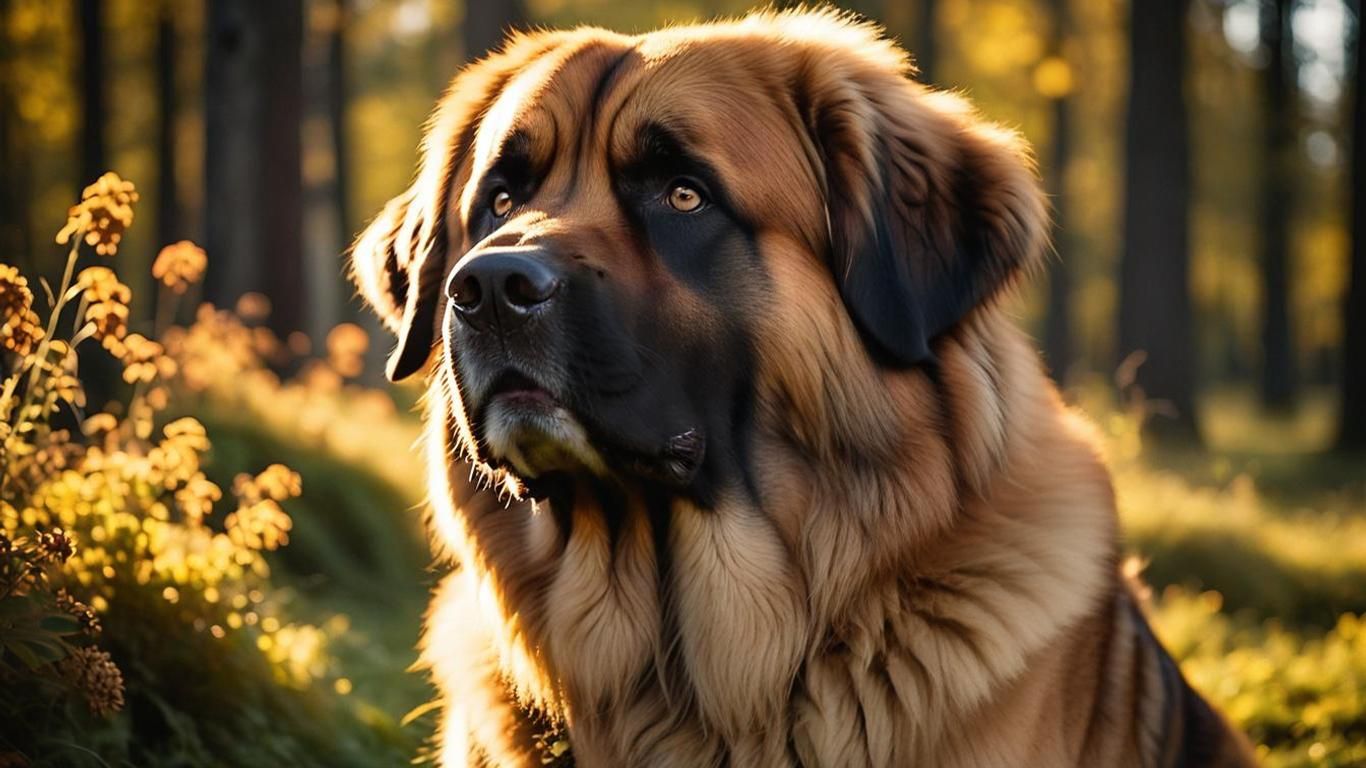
[357, 551]
[1256, 547]
[1257, 556]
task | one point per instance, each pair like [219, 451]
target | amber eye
[501, 204]
[684, 198]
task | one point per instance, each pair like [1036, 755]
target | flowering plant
[110, 528]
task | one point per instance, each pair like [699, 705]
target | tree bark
[93, 162]
[282, 149]
[1057, 335]
[926, 50]
[487, 22]
[1352, 419]
[15, 233]
[252, 167]
[1154, 297]
[169, 228]
[1278, 377]
[324, 229]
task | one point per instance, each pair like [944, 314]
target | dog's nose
[507, 282]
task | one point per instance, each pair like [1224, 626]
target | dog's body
[722, 300]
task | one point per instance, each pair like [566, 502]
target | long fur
[928, 572]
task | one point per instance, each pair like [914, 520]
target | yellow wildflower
[276, 482]
[105, 211]
[262, 525]
[346, 346]
[144, 360]
[197, 497]
[106, 302]
[180, 265]
[20, 330]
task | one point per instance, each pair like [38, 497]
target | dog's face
[630, 250]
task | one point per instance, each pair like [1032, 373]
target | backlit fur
[928, 572]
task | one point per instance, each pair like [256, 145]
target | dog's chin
[535, 436]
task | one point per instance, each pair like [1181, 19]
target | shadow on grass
[1252, 581]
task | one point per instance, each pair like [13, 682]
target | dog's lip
[513, 387]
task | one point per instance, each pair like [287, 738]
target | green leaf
[48, 651]
[60, 624]
[26, 655]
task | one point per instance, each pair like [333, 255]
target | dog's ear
[932, 211]
[398, 263]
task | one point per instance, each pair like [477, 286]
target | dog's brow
[659, 149]
[515, 149]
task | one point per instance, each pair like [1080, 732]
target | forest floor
[1255, 550]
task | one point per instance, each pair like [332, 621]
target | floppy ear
[399, 261]
[932, 211]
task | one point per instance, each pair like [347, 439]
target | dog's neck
[933, 544]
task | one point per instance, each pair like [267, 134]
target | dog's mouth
[527, 428]
[515, 389]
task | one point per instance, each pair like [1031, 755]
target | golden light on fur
[802, 493]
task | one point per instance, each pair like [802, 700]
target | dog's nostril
[527, 290]
[466, 293]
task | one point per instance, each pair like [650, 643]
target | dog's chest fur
[785, 633]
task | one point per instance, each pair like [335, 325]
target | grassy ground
[1256, 551]
[1255, 548]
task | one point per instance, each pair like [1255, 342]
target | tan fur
[931, 575]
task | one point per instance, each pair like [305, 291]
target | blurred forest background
[1200, 161]
[1207, 166]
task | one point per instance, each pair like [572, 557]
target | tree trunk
[1352, 421]
[252, 167]
[487, 23]
[169, 227]
[1154, 297]
[283, 269]
[15, 236]
[93, 161]
[1278, 380]
[324, 229]
[926, 40]
[1057, 335]
[339, 90]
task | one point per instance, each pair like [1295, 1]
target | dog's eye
[684, 199]
[500, 203]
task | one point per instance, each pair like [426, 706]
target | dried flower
[90, 621]
[93, 672]
[105, 211]
[55, 546]
[106, 302]
[180, 265]
[19, 326]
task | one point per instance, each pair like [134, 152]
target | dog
[737, 456]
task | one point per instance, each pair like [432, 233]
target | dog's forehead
[728, 97]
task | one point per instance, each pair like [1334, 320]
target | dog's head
[628, 250]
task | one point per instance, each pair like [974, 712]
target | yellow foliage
[90, 527]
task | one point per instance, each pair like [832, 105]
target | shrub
[137, 610]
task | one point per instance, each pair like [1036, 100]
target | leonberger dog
[738, 457]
